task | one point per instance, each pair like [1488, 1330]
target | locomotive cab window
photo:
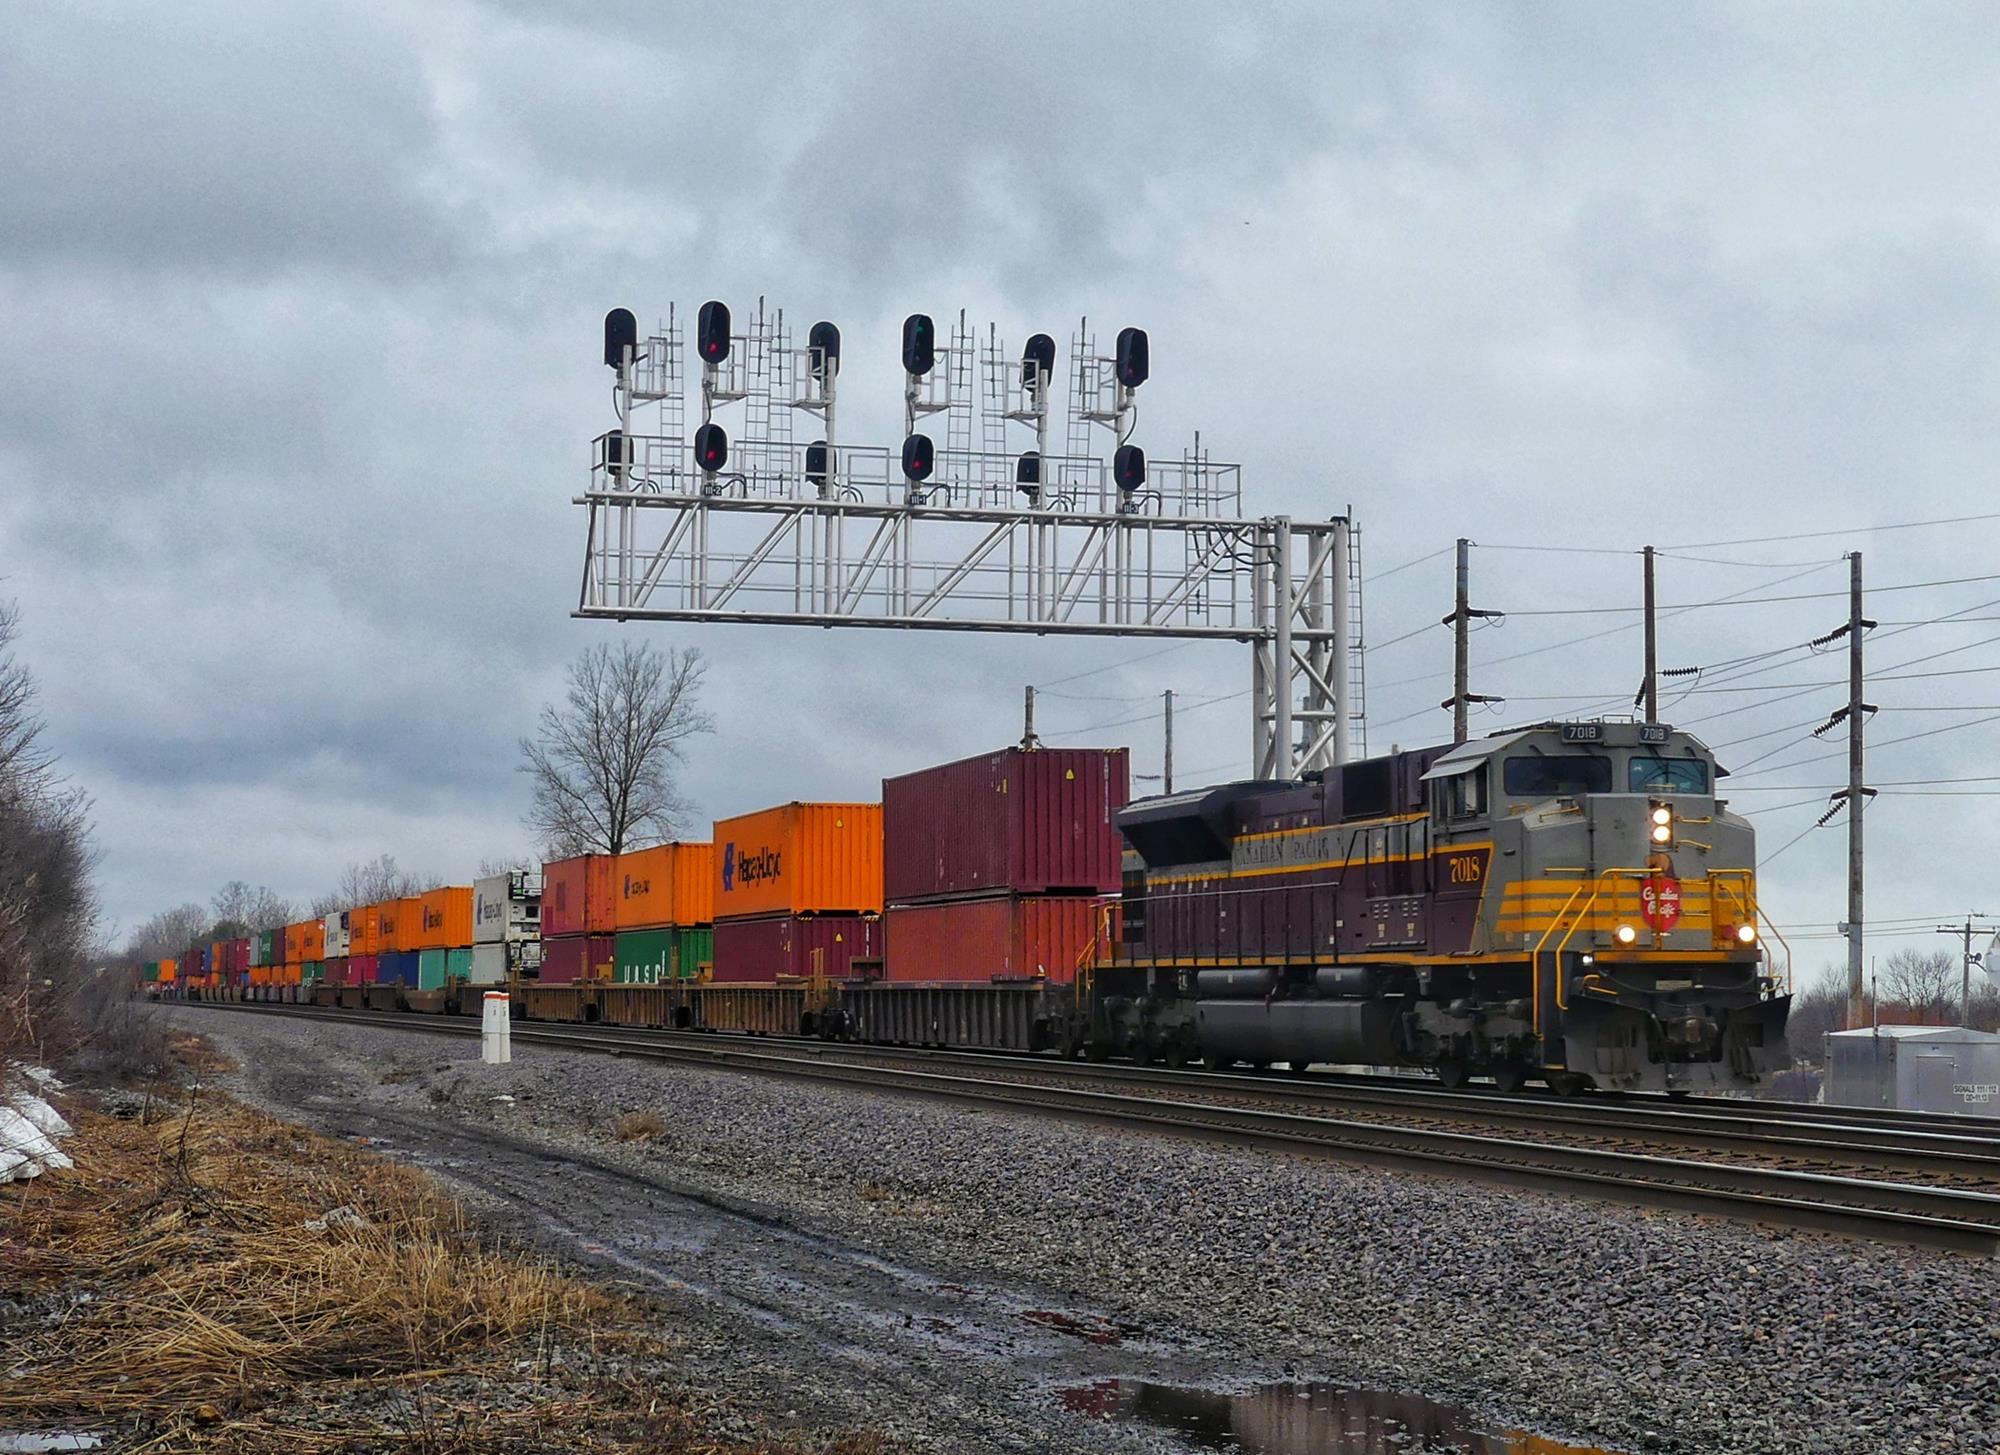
[1463, 795]
[1667, 775]
[1557, 775]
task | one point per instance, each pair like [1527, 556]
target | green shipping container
[431, 966]
[151, 971]
[260, 948]
[648, 957]
[311, 971]
[458, 964]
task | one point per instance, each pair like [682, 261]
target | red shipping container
[1013, 821]
[361, 969]
[580, 895]
[334, 971]
[577, 957]
[239, 956]
[1010, 937]
[757, 951]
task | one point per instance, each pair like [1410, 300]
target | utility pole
[1028, 738]
[1463, 613]
[1964, 932]
[1856, 792]
[1167, 771]
[1651, 690]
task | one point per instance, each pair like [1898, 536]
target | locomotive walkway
[1821, 1168]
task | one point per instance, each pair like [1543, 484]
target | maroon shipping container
[1014, 821]
[361, 969]
[577, 957]
[1008, 937]
[757, 951]
[334, 971]
[580, 895]
[238, 953]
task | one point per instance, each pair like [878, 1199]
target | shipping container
[507, 907]
[334, 971]
[489, 965]
[1008, 937]
[668, 884]
[290, 943]
[170, 970]
[431, 969]
[363, 930]
[652, 957]
[312, 972]
[799, 858]
[444, 918]
[312, 939]
[758, 951]
[580, 896]
[239, 954]
[458, 962]
[396, 967]
[402, 922]
[571, 958]
[1015, 821]
[334, 935]
[261, 948]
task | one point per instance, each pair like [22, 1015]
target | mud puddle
[1309, 1419]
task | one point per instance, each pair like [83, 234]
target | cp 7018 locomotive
[1569, 902]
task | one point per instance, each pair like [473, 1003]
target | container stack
[579, 918]
[443, 929]
[335, 941]
[401, 923]
[364, 944]
[999, 867]
[665, 915]
[506, 927]
[798, 892]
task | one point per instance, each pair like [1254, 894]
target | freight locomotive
[1568, 902]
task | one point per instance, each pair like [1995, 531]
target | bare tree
[372, 882]
[1816, 1009]
[1925, 981]
[261, 908]
[604, 760]
[169, 932]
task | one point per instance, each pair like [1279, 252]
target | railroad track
[1317, 1120]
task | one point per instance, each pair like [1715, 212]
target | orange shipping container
[800, 858]
[402, 923]
[169, 969]
[288, 974]
[444, 919]
[312, 943]
[362, 932]
[668, 884]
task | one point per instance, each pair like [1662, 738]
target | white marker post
[495, 1033]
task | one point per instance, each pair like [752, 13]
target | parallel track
[1301, 1118]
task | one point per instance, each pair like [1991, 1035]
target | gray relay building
[1915, 1068]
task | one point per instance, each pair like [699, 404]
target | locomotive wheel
[1175, 1054]
[1509, 1076]
[1216, 1061]
[1567, 1083]
[1450, 1073]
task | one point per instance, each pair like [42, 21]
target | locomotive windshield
[1667, 775]
[1556, 774]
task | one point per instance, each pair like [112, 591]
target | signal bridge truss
[856, 544]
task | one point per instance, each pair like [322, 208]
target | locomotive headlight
[1663, 833]
[1625, 935]
[1662, 815]
[1746, 934]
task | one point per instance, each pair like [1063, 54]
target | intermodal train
[1568, 902]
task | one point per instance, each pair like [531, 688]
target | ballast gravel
[960, 1278]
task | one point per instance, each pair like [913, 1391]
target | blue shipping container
[396, 967]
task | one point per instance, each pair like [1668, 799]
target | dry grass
[217, 1316]
[640, 1126]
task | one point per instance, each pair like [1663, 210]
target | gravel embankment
[1186, 1263]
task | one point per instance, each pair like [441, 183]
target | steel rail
[1949, 1219]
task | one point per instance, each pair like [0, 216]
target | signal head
[1128, 469]
[1028, 469]
[919, 344]
[711, 448]
[621, 333]
[919, 459]
[1038, 357]
[823, 340]
[711, 334]
[819, 460]
[1134, 362]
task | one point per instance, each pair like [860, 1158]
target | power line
[1755, 600]
[1393, 570]
[1819, 535]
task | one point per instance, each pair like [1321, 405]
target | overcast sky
[300, 308]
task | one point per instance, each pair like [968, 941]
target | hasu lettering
[637, 886]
